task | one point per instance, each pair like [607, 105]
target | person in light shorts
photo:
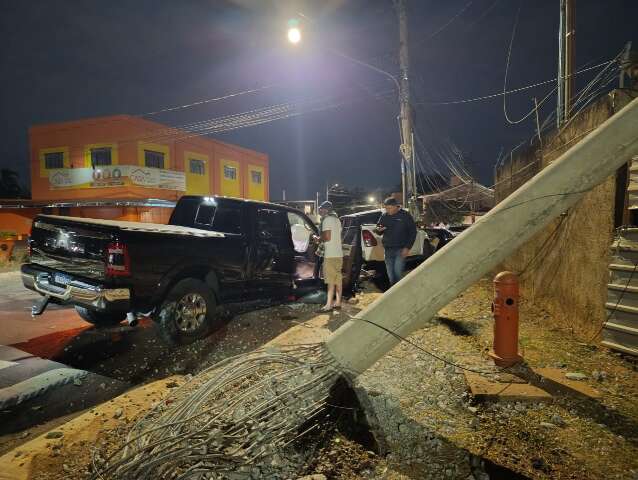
[332, 256]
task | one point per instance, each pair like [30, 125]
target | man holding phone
[399, 232]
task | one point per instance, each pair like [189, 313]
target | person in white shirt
[332, 256]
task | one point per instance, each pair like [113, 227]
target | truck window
[370, 218]
[227, 220]
[271, 223]
[300, 231]
[205, 214]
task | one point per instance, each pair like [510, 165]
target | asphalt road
[114, 359]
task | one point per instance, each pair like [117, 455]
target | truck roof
[239, 200]
[139, 226]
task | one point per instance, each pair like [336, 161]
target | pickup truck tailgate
[74, 248]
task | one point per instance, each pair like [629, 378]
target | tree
[10, 185]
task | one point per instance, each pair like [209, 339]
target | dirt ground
[569, 438]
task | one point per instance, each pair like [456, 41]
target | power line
[245, 119]
[507, 66]
[448, 23]
[210, 100]
[484, 14]
[515, 90]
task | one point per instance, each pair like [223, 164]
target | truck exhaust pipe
[131, 319]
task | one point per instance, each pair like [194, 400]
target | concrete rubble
[425, 422]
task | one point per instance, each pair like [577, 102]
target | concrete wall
[565, 267]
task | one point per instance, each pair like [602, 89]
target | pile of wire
[235, 420]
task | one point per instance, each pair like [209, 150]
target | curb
[20, 463]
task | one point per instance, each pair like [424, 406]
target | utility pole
[570, 44]
[566, 44]
[561, 66]
[408, 180]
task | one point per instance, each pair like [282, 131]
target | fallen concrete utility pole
[414, 301]
[239, 418]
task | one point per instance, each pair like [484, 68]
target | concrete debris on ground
[425, 422]
[420, 406]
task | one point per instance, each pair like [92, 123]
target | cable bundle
[234, 420]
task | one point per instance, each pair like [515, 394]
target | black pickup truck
[215, 250]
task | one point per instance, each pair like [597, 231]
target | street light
[294, 35]
[371, 199]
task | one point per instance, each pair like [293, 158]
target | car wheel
[428, 250]
[352, 280]
[188, 313]
[100, 319]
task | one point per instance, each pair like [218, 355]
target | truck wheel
[188, 313]
[100, 319]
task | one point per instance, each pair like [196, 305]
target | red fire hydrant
[505, 308]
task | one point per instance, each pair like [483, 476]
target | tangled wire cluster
[235, 420]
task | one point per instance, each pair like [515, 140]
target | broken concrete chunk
[316, 297]
[598, 376]
[557, 420]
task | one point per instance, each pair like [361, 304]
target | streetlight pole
[408, 179]
[405, 117]
[566, 43]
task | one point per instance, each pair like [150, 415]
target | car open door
[273, 261]
[306, 261]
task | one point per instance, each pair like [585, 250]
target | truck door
[273, 262]
[301, 232]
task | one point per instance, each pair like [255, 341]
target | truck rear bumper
[76, 292]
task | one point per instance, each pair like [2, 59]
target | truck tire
[100, 319]
[188, 313]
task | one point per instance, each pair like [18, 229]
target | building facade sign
[116, 176]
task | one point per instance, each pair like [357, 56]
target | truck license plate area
[61, 279]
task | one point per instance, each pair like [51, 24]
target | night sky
[64, 60]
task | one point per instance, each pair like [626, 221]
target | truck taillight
[368, 238]
[29, 247]
[118, 262]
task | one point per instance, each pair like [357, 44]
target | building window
[101, 156]
[153, 159]
[230, 172]
[256, 176]
[197, 167]
[53, 160]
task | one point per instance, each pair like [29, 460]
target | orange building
[129, 168]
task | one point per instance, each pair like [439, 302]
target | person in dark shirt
[399, 232]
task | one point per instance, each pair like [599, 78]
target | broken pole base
[505, 361]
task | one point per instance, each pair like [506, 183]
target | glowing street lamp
[294, 35]
[371, 199]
